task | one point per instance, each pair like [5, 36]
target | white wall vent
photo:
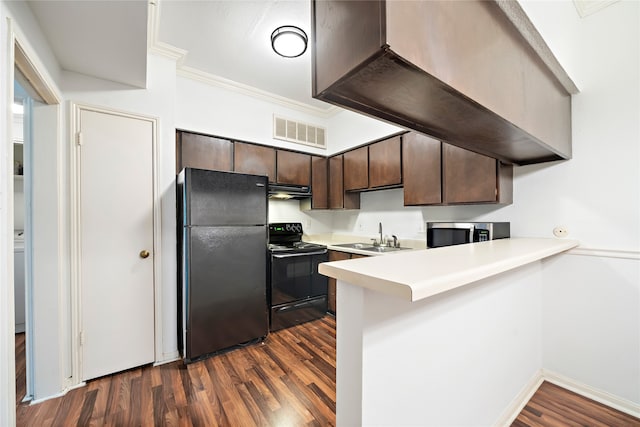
[298, 132]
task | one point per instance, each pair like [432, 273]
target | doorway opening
[33, 139]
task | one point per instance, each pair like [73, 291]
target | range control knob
[287, 227]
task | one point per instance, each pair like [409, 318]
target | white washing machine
[18, 278]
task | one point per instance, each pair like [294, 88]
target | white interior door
[116, 243]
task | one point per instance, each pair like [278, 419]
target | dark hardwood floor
[287, 381]
[21, 368]
[553, 406]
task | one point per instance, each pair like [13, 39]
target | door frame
[75, 164]
[18, 53]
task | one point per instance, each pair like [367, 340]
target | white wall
[596, 195]
[349, 129]
[157, 100]
[17, 21]
[213, 110]
[591, 322]
[591, 303]
[457, 359]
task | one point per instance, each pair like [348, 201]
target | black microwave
[458, 233]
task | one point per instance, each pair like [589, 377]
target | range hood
[458, 71]
[287, 192]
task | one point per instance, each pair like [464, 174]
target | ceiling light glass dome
[289, 41]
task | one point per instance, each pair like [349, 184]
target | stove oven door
[298, 291]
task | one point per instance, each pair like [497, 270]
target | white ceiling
[231, 39]
[227, 40]
[105, 39]
[224, 41]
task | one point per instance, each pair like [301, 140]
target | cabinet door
[356, 169]
[468, 177]
[202, 152]
[293, 168]
[331, 292]
[336, 188]
[338, 199]
[385, 167]
[421, 176]
[319, 182]
[255, 160]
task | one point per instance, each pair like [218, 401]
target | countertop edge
[481, 259]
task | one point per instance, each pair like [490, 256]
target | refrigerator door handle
[300, 254]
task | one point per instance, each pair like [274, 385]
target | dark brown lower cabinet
[468, 177]
[337, 256]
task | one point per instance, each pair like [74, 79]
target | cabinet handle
[144, 253]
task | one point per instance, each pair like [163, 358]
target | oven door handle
[297, 306]
[280, 256]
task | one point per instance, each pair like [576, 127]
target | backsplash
[386, 206]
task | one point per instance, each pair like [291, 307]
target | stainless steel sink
[354, 245]
[369, 247]
[382, 249]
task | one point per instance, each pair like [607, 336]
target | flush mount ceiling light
[289, 41]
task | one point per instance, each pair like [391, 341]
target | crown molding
[177, 54]
[217, 81]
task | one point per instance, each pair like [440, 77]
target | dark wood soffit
[427, 105]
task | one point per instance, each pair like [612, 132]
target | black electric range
[297, 292]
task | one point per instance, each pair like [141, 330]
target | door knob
[144, 253]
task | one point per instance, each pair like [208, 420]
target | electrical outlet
[560, 232]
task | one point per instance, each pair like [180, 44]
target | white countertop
[418, 274]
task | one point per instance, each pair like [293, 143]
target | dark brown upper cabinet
[385, 163]
[293, 168]
[338, 197]
[356, 169]
[473, 178]
[203, 152]
[319, 185]
[421, 170]
[255, 160]
[459, 71]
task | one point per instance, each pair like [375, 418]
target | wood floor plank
[554, 406]
[287, 380]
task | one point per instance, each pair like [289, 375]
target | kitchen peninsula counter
[447, 336]
[414, 275]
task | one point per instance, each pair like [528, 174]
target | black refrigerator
[222, 260]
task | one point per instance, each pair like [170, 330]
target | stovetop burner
[287, 237]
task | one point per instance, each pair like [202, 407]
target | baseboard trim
[167, 358]
[55, 396]
[518, 403]
[514, 408]
[593, 393]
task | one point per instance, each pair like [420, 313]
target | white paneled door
[116, 242]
